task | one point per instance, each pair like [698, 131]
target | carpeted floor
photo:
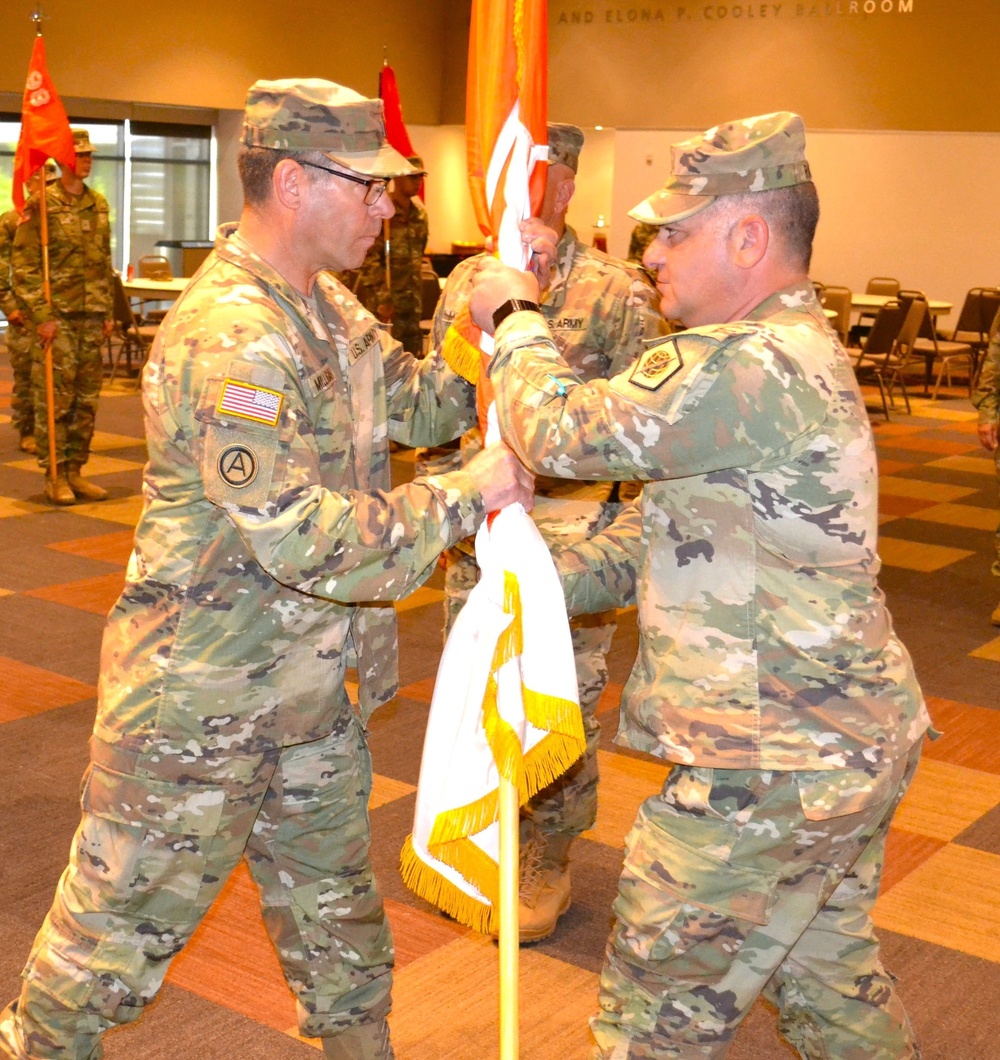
[940, 909]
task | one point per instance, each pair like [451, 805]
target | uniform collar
[796, 296]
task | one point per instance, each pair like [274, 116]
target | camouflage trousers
[22, 407]
[406, 322]
[568, 806]
[156, 843]
[737, 884]
[77, 371]
[996, 537]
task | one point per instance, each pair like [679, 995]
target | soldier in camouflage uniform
[768, 669]
[602, 314]
[20, 335]
[267, 557]
[642, 235]
[400, 304]
[77, 322]
[987, 400]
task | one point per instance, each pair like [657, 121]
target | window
[157, 175]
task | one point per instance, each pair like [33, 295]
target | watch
[513, 305]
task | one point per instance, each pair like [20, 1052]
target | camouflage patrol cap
[308, 114]
[565, 143]
[81, 142]
[418, 166]
[752, 154]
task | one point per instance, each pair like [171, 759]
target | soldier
[602, 313]
[987, 400]
[223, 723]
[642, 235]
[768, 670]
[76, 323]
[20, 334]
[395, 295]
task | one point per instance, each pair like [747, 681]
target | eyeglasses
[373, 188]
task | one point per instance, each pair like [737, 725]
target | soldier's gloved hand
[501, 478]
[47, 330]
[492, 285]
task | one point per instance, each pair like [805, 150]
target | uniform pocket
[144, 843]
[674, 896]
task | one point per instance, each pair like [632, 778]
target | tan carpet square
[944, 799]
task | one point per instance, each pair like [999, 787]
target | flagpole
[509, 939]
[43, 206]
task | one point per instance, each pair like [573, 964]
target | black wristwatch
[513, 305]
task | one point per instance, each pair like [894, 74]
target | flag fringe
[430, 885]
[461, 355]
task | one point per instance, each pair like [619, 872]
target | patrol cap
[565, 143]
[418, 166]
[748, 155]
[309, 114]
[81, 142]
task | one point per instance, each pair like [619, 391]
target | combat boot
[363, 1041]
[545, 889]
[58, 491]
[995, 617]
[84, 488]
[28, 444]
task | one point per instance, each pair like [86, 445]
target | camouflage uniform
[81, 276]
[19, 336]
[267, 556]
[407, 243]
[602, 314]
[767, 671]
[642, 235]
[987, 400]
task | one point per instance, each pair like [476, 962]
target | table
[869, 303]
[156, 290]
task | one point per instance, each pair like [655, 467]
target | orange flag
[505, 109]
[45, 131]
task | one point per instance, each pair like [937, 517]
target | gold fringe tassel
[461, 355]
[441, 892]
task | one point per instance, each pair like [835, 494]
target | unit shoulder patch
[664, 360]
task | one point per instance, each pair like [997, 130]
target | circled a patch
[238, 466]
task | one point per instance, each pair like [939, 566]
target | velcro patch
[657, 365]
[247, 401]
[322, 380]
[238, 465]
[359, 347]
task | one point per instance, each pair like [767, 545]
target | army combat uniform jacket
[80, 269]
[765, 642]
[270, 545]
[602, 314]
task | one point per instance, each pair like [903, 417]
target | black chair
[870, 366]
[132, 336]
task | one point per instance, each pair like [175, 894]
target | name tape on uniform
[250, 402]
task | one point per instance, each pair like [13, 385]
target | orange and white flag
[45, 131]
[505, 702]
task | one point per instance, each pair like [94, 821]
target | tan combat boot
[59, 492]
[363, 1041]
[83, 488]
[545, 885]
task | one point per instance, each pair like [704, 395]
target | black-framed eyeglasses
[373, 187]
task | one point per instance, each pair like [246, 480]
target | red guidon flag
[505, 701]
[45, 131]
[392, 108]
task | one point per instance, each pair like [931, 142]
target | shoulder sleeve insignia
[657, 365]
[247, 401]
[237, 465]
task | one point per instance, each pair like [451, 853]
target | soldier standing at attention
[987, 400]
[401, 303]
[602, 314]
[20, 335]
[77, 322]
[768, 670]
[223, 724]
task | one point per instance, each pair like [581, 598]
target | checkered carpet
[939, 912]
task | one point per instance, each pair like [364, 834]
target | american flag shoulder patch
[250, 402]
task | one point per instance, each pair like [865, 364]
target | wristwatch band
[513, 305]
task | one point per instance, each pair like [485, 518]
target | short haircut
[791, 214]
[256, 167]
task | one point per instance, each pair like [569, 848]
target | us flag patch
[250, 402]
